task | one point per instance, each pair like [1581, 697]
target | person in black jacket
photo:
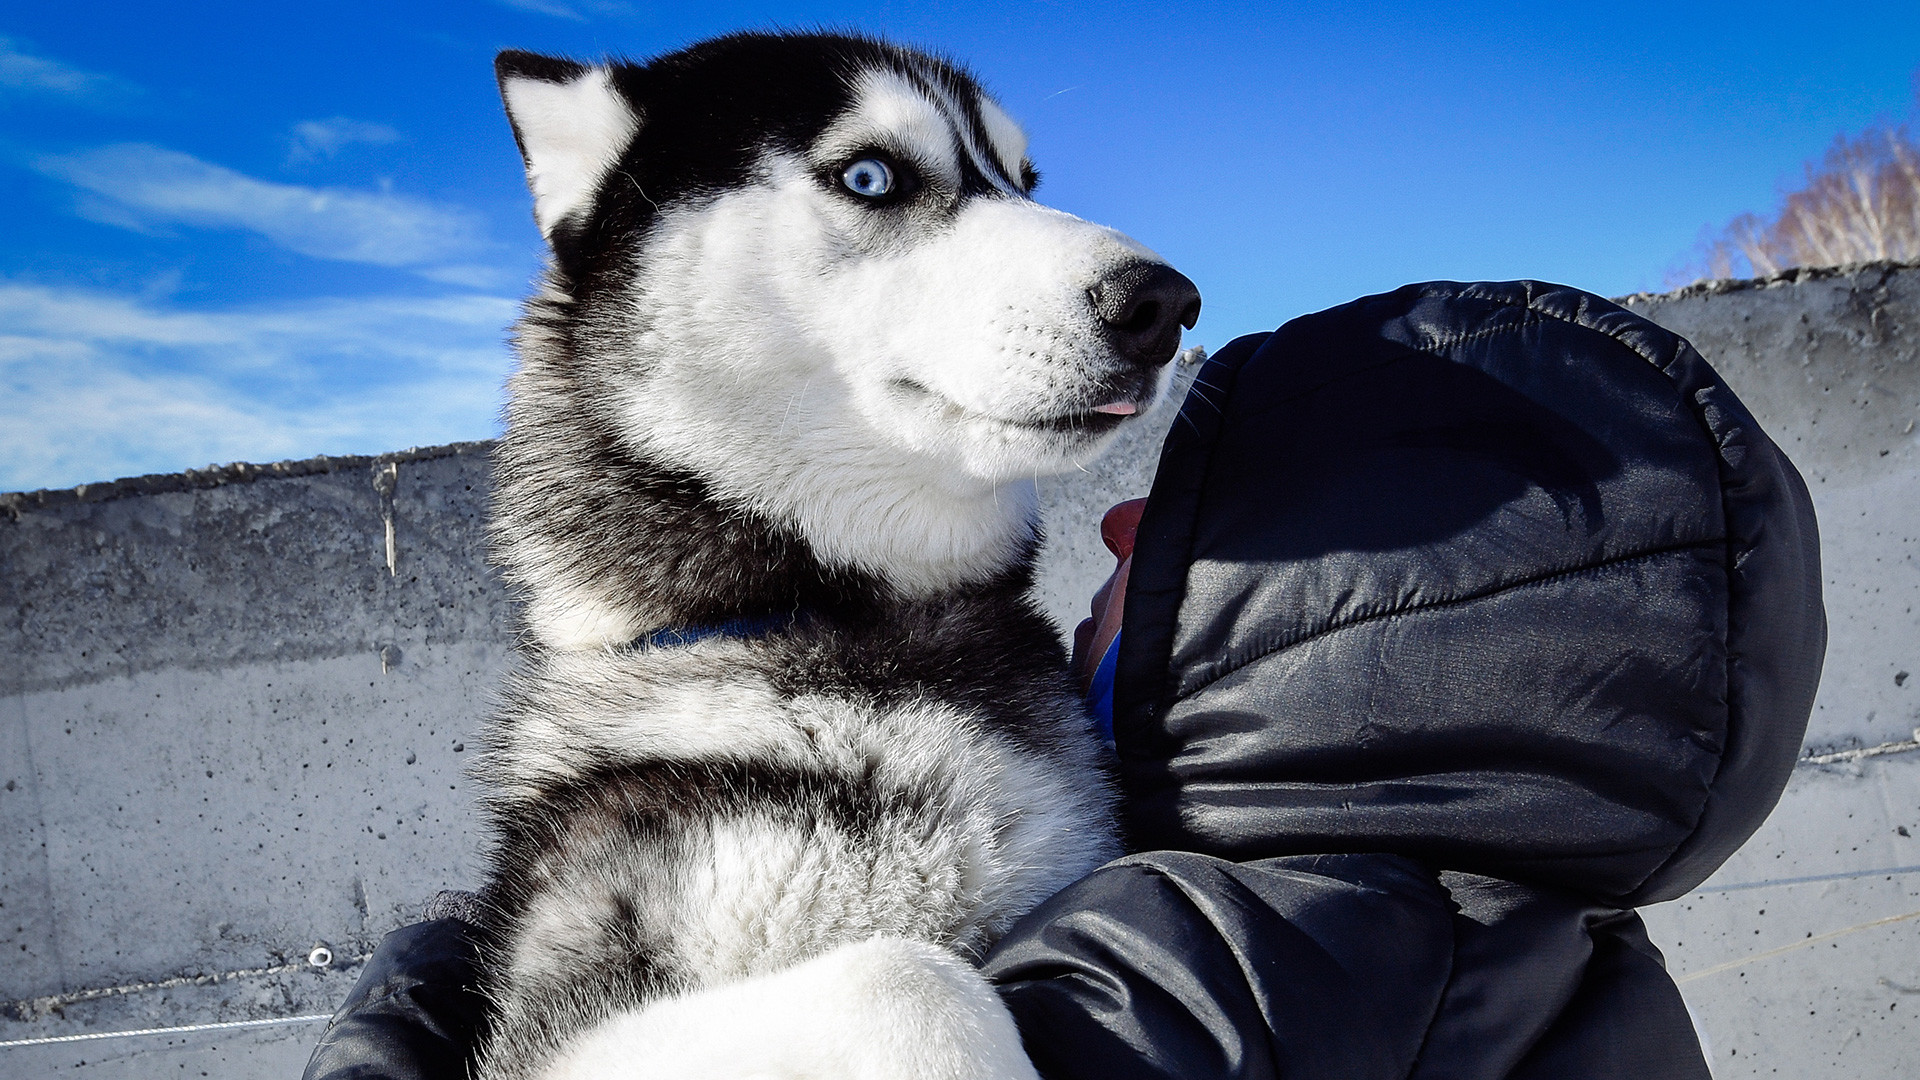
[1459, 622]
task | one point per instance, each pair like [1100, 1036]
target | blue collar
[1100, 692]
[668, 637]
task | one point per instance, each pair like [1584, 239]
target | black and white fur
[754, 387]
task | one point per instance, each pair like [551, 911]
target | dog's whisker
[641, 190]
[792, 400]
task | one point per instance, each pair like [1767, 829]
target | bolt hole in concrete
[320, 956]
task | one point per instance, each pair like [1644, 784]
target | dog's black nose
[1144, 305]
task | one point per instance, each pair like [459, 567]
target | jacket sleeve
[1549, 985]
[1626, 1020]
[414, 1013]
[1180, 965]
[1348, 966]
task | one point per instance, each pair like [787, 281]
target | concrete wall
[230, 731]
[1830, 364]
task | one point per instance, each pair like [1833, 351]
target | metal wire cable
[228, 1025]
[1770, 953]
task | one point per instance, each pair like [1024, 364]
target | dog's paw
[883, 1009]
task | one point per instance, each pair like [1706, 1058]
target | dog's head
[808, 269]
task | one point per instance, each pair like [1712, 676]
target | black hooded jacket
[1462, 620]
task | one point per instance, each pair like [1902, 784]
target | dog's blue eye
[869, 177]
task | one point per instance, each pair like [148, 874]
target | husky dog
[789, 745]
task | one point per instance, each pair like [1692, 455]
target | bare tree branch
[1861, 203]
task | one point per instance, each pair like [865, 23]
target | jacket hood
[1498, 576]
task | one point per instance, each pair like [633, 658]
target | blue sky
[245, 231]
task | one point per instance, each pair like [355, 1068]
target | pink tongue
[1117, 408]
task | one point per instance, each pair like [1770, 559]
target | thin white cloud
[21, 71]
[325, 138]
[96, 385]
[134, 184]
[546, 7]
[579, 11]
[470, 275]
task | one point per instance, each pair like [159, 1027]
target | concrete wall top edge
[1791, 276]
[15, 503]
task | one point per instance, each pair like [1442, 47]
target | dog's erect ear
[572, 124]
